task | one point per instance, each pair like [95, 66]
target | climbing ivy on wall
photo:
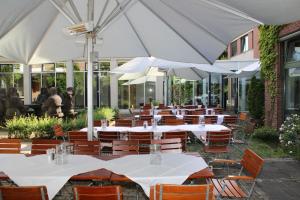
[268, 55]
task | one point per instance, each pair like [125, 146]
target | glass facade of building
[11, 75]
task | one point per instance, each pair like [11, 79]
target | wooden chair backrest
[190, 107]
[183, 135]
[10, 145]
[173, 145]
[98, 192]
[124, 122]
[24, 193]
[162, 106]
[165, 117]
[182, 192]
[243, 116]
[218, 110]
[40, 146]
[147, 107]
[144, 139]
[173, 122]
[99, 123]
[231, 119]
[145, 117]
[252, 162]
[198, 112]
[191, 119]
[77, 136]
[87, 148]
[145, 112]
[141, 122]
[125, 147]
[108, 136]
[210, 119]
[165, 112]
[219, 138]
[58, 130]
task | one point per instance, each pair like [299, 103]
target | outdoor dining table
[36, 170]
[198, 130]
[220, 117]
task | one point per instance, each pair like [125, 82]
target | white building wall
[27, 84]
[113, 84]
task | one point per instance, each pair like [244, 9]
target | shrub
[290, 132]
[104, 113]
[266, 134]
[255, 98]
[31, 126]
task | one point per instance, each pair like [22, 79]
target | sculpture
[68, 107]
[14, 105]
[52, 106]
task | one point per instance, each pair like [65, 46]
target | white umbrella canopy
[247, 71]
[141, 80]
[189, 31]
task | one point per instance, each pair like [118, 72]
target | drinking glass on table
[145, 124]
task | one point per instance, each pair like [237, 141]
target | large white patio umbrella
[190, 31]
[247, 71]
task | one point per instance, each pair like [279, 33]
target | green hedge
[266, 134]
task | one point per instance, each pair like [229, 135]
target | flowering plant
[290, 131]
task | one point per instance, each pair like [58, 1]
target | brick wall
[275, 117]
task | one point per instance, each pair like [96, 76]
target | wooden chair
[173, 122]
[106, 138]
[144, 140]
[141, 122]
[146, 117]
[40, 146]
[182, 192]
[162, 106]
[98, 192]
[217, 141]
[145, 112]
[165, 112]
[125, 147]
[124, 122]
[229, 186]
[99, 123]
[10, 145]
[87, 148]
[190, 107]
[230, 120]
[191, 119]
[58, 132]
[24, 193]
[177, 134]
[147, 107]
[173, 145]
[211, 119]
[77, 136]
[218, 111]
[165, 117]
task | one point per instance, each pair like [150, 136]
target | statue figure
[52, 106]
[68, 107]
[43, 96]
[14, 105]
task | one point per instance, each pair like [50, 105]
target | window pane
[293, 50]
[79, 86]
[215, 90]
[233, 47]
[48, 67]
[150, 91]
[61, 67]
[79, 66]
[48, 80]
[105, 91]
[6, 68]
[123, 94]
[243, 92]
[18, 83]
[244, 44]
[292, 101]
[36, 68]
[61, 82]
[6, 80]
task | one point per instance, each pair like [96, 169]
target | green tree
[255, 98]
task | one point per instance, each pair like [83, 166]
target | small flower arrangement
[290, 132]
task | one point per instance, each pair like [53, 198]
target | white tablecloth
[174, 169]
[35, 170]
[198, 130]
[220, 118]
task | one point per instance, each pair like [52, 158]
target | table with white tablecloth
[220, 118]
[198, 130]
[36, 170]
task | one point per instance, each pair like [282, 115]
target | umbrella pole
[90, 51]
[144, 92]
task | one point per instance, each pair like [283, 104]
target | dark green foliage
[266, 134]
[255, 98]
